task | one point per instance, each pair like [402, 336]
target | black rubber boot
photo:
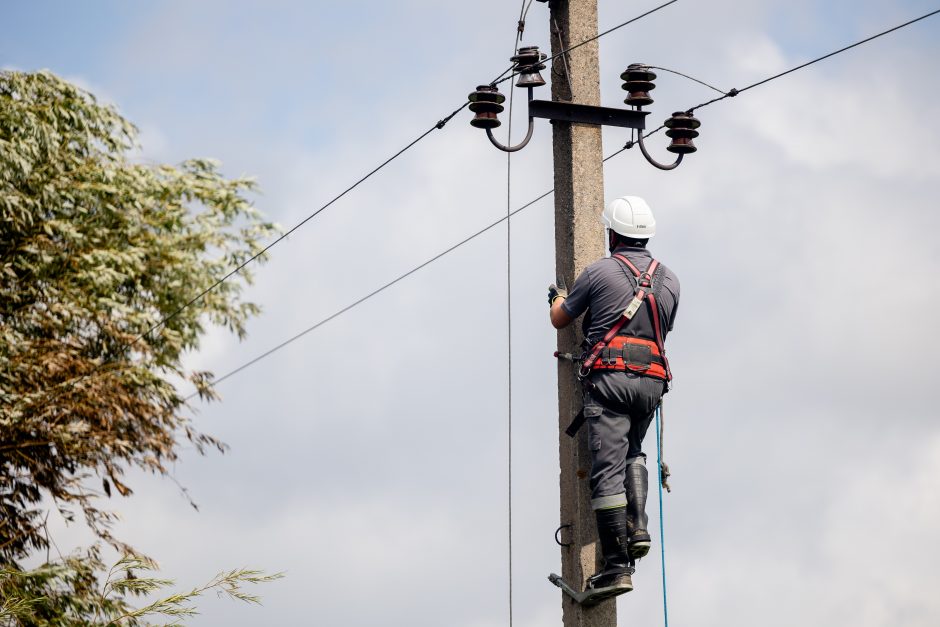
[612, 532]
[637, 485]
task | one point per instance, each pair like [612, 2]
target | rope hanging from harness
[663, 474]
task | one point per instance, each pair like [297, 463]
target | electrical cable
[466, 240]
[831, 54]
[519, 31]
[735, 92]
[522, 18]
[507, 219]
[632, 142]
[691, 78]
[437, 126]
[590, 39]
[389, 284]
[374, 292]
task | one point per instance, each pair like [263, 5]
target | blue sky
[798, 447]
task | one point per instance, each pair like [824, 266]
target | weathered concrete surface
[579, 240]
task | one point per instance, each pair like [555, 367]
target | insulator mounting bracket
[587, 114]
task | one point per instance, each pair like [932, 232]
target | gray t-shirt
[606, 287]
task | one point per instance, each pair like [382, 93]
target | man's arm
[673, 287]
[556, 296]
[565, 308]
[559, 318]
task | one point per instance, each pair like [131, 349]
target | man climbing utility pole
[579, 195]
[629, 301]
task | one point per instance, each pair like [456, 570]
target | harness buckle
[633, 307]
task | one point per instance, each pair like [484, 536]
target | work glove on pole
[554, 291]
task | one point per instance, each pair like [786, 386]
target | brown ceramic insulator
[638, 81]
[682, 119]
[682, 130]
[485, 119]
[528, 65]
[638, 96]
[486, 103]
[486, 93]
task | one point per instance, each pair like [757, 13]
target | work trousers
[619, 408]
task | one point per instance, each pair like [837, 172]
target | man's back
[606, 287]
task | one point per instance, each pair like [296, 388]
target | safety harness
[624, 352]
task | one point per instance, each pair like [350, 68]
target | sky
[368, 460]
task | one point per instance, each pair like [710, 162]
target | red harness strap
[643, 292]
[635, 354]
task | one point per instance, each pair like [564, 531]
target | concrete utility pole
[579, 240]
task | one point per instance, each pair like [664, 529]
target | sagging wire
[387, 285]
[373, 293]
[437, 126]
[519, 31]
[236, 270]
[628, 145]
[691, 78]
[60, 387]
[735, 92]
[504, 78]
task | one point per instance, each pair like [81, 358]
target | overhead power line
[385, 286]
[519, 30]
[734, 92]
[492, 225]
[840, 50]
[437, 126]
[503, 78]
[237, 269]
[375, 292]
[691, 78]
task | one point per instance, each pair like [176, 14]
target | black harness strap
[576, 423]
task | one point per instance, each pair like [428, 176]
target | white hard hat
[630, 216]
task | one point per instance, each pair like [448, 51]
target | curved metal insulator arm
[520, 145]
[654, 162]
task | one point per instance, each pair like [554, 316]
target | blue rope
[662, 540]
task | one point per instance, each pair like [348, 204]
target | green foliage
[57, 594]
[72, 593]
[95, 250]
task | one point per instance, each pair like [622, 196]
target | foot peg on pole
[591, 596]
